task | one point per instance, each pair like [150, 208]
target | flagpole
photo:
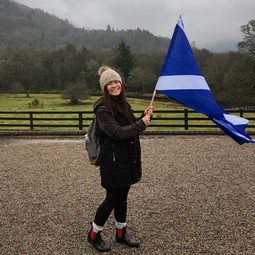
[153, 96]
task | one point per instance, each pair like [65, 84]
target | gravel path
[197, 196]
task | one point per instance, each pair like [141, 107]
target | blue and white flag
[182, 80]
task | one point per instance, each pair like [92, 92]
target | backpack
[92, 143]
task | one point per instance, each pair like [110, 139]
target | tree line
[34, 28]
[73, 71]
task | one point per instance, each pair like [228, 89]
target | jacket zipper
[113, 153]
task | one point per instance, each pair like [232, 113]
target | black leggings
[116, 199]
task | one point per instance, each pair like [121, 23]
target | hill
[24, 26]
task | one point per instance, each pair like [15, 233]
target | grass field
[55, 103]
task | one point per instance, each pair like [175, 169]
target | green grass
[55, 103]
[51, 102]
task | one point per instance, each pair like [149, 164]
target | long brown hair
[116, 104]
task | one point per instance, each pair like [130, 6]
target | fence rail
[163, 120]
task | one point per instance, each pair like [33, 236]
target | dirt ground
[197, 196]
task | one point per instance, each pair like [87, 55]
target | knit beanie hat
[106, 75]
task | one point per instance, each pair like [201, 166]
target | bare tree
[248, 44]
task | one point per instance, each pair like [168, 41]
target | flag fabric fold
[181, 79]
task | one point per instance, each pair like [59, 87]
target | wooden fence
[163, 120]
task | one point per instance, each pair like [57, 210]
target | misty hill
[24, 26]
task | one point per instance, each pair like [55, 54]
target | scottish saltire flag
[182, 80]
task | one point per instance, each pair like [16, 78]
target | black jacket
[120, 155]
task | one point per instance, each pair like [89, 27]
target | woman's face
[114, 88]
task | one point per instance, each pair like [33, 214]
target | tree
[67, 64]
[75, 92]
[217, 68]
[203, 57]
[16, 88]
[239, 83]
[124, 60]
[248, 44]
[22, 67]
[140, 81]
[91, 75]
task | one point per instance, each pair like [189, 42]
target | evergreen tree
[124, 60]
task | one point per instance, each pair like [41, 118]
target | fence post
[80, 121]
[186, 119]
[31, 121]
[241, 112]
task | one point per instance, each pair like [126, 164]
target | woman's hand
[149, 111]
[146, 120]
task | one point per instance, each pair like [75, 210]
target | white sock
[97, 228]
[120, 225]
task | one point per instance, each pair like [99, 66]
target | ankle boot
[123, 237]
[98, 242]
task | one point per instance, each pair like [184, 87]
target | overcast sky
[209, 23]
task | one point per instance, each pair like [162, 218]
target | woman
[120, 156]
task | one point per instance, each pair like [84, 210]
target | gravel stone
[197, 196]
